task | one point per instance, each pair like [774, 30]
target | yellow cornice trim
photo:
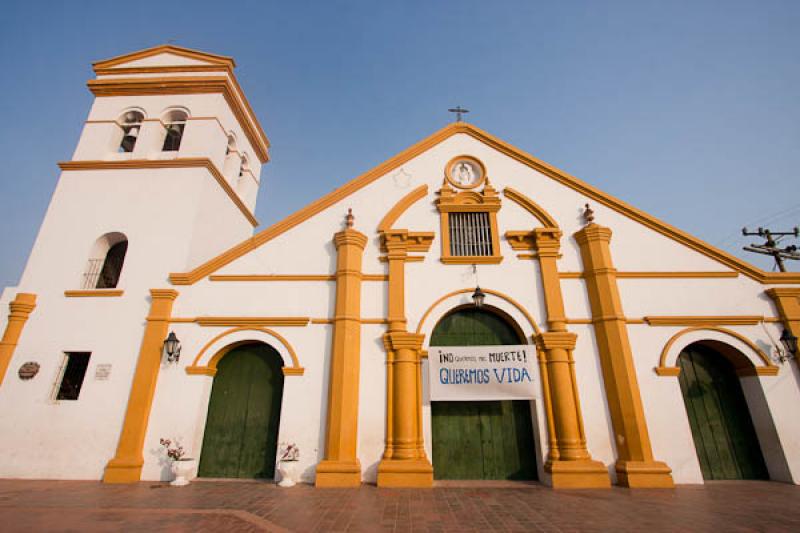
[472, 260]
[272, 277]
[216, 321]
[224, 85]
[499, 294]
[401, 207]
[212, 363]
[181, 51]
[703, 320]
[658, 275]
[94, 293]
[161, 69]
[181, 162]
[531, 207]
[290, 277]
[365, 179]
[768, 368]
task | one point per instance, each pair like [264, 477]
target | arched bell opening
[723, 398]
[244, 411]
[481, 439]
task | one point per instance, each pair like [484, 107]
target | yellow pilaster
[404, 462]
[569, 462]
[20, 308]
[126, 466]
[341, 467]
[635, 465]
[787, 300]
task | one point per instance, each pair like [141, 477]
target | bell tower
[169, 161]
[164, 177]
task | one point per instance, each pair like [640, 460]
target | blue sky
[687, 110]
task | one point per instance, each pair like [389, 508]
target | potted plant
[181, 465]
[287, 466]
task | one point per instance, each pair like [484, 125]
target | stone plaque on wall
[28, 370]
[101, 372]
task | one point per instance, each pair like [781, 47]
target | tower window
[175, 122]
[105, 265]
[72, 377]
[131, 127]
[470, 234]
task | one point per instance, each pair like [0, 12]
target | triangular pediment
[167, 55]
[561, 177]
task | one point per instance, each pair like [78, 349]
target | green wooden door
[723, 432]
[243, 414]
[480, 440]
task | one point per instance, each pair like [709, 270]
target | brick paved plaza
[256, 506]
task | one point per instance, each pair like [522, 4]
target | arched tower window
[105, 264]
[131, 124]
[175, 122]
[233, 161]
[245, 167]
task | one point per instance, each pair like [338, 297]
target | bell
[133, 132]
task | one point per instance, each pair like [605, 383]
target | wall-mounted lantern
[172, 347]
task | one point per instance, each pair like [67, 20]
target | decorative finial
[588, 215]
[349, 219]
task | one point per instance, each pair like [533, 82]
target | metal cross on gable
[458, 110]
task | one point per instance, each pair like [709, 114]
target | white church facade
[655, 358]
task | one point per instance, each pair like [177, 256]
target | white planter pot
[182, 469]
[288, 472]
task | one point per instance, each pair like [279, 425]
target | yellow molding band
[227, 86]
[703, 320]
[212, 363]
[531, 207]
[505, 297]
[19, 310]
[290, 277]
[94, 293]
[659, 275]
[126, 466]
[401, 207]
[181, 162]
[214, 321]
[768, 369]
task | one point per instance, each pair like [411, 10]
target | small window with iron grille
[72, 375]
[470, 234]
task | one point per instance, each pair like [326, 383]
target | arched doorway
[244, 411]
[722, 429]
[481, 439]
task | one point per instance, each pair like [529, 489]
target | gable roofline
[189, 53]
[214, 264]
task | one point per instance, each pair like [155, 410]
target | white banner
[461, 373]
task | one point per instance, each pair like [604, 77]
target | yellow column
[404, 462]
[569, 462]
[22, 306]
[787, 300]
[635, 465]
[341, 467]
[126, 466]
